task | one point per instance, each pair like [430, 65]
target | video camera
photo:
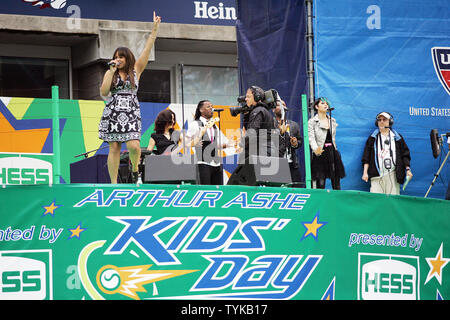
[270, 100]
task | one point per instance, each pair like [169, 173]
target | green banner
[231, 242]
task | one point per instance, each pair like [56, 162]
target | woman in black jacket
[386, 158]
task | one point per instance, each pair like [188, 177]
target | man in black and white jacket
[386, 158]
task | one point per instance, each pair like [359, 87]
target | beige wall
[89, 43]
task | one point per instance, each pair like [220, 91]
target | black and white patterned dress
[121, 119]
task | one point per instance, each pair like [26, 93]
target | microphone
[330, 109]
[113, 63]
[217, 110]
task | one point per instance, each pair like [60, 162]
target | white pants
[386, 184]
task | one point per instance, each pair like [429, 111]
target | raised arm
[142, 61]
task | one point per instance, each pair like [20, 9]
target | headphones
[258, 93]
[391, 119]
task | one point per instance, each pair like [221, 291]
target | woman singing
[121, 119]
[326, 160]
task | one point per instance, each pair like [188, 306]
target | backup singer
[207, 141]
[290, 141]
[121, 119]
[326, 160]
[165, 138]
[386, 159]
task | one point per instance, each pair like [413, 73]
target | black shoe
[135, 177]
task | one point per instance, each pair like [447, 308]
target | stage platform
[102, 241]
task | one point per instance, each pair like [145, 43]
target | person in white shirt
[208, 141]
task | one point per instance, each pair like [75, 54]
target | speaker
[260, 170]
[90, 170]
[95, 170]
[175, 169]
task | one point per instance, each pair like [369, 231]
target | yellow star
[436, 265]
[313, 227]
[50, 209]
[76, 232]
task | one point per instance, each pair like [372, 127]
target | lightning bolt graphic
[128, 281]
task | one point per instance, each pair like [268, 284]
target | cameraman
[258, 124]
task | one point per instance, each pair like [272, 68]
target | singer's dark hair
[197, 111]
[316, 102]
[163, 119]
[130, 61]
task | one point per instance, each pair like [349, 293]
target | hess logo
[22, 279]
[24, 170]
[388, 279]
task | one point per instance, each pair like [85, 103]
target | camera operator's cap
[384, 114]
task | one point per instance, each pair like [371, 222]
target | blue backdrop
[374, 56]
[272, 51]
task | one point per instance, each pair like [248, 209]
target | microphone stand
[86, 153]
[219, 133]
[333, 167]
[182, 109]
[436, 175]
